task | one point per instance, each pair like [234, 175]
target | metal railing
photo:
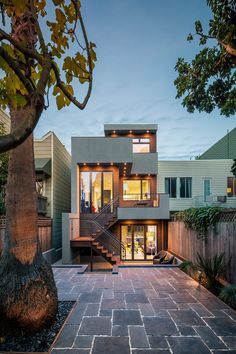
[101, 232]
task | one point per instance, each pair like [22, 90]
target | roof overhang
[43, 165]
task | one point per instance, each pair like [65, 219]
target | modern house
[52, 167]
[198, 183]
[116, 210]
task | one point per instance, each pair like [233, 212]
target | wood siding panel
[184, 243]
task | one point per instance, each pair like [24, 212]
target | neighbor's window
[136, 189]
[231, 187]
[185, 188]
[141, 145]
[170, 186]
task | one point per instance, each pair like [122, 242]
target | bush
[228, 295]
[213, 268]
[199, 220]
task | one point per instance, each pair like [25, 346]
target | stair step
[104, 251]
[109, 255]
[95, 243]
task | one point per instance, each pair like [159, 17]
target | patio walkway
[142, 311]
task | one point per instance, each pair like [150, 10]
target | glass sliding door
[126, 238]
[96, 192]
[85, 192]
[151, 241]
[107, 189]
[138, 242]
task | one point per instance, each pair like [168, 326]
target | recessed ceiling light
[114, 131]
[125, 164]
[136, 174]
[84, 163]
[147, 131]
[111, 163]
[98, 163]
[131, 131]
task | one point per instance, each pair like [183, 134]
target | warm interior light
[125, 163]
[149, 175]
[130, 131]
[136, 174]
[84, 163]
[147, 131]
[98, 163]
[111, 163]
[114, 131]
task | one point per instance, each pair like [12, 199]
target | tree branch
[30, 117]
[31, 53]
[13, 65]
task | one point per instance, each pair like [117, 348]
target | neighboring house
[115, 205]
[52, 167]
[225, 148]
[197, 183]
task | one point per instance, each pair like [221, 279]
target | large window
[96, 191]
[170, 186]
[141, 145]
[180, 187]
[185, 190]
[231, 186]
[136, 189]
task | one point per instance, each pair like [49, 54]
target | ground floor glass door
[140, 241]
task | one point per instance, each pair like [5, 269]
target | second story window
[141, 145]
[170, 186]
[185, 190]
[136, 189]
[231, 187]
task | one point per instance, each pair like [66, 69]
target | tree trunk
[28, 295]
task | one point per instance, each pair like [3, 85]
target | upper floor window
[185, 188]
[96, 191]
[141, 145]
[178, 188]
[231, 187]
[170, 186]
[136, 189]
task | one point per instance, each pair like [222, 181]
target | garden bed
[41, 342]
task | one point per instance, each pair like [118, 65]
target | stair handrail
[111, 236]
[107, 206]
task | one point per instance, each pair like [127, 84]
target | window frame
[141, 141]
[102, 189]
[170, 178]
[190, 178]
[231, 194]
[141, 189]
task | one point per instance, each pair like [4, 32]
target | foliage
[208, 81]
[199, 220]
[188, 267]
[228, 295]
[213, 268]
[3, 156]
[33, 66]
[233, 168]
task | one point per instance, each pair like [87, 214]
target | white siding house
[196, 183]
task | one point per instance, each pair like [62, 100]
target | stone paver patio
[142, 311]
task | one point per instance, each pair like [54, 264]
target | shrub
[228, 295]
[213, 268]
[199, 220]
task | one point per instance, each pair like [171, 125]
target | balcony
[152, 207]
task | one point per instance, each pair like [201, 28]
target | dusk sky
[138, 43]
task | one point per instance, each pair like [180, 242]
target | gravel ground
[41, 341]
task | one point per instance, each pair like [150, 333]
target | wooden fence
[222, 238]
[44, 233]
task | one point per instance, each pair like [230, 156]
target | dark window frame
[169, 187]
[185, 188]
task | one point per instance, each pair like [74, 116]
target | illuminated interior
[140, 241]
[136, 189]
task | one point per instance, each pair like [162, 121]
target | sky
[138, 43]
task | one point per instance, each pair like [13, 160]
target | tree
[3, 156]
[32, 67]
[208, 82]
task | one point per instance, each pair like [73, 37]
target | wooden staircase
[104, 241]
[101, 250]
